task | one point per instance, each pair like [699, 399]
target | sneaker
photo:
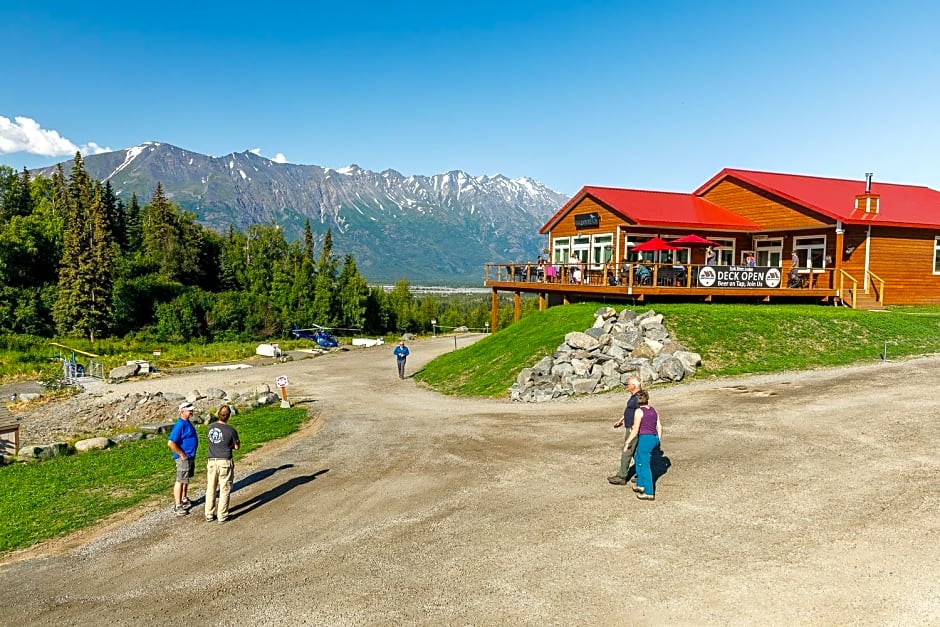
[645, 497]
[637, 488]
[179, 510]
[185, 502]
[210, 518]
[223, 521]
[617, 480]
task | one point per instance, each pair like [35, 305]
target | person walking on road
[183, 441]
[647, 429]
[626, 421]
[401, 355]
[220, 470]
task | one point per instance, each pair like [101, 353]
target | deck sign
[739, 277]
[587, 220]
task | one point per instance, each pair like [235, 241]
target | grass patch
[49, 499]
[731, 338]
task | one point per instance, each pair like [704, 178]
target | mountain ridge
[440, 228]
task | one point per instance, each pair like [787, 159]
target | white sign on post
[281, 382]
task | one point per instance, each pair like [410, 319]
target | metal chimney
[868, 176]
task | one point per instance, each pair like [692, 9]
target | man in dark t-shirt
[220, 470]
[621, 478]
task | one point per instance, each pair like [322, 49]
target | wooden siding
[770, 212]
[904, 259]
[608, 223]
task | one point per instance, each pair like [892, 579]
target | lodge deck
[663, 284]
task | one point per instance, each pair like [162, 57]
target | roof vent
[867, 202]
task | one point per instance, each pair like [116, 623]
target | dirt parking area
[800, 498]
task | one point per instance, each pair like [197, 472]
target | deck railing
[628, 275]
[845, 277]
[879, 289]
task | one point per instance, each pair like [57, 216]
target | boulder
[42, 451]
[92, 444]
[122, 372]
[576, 339]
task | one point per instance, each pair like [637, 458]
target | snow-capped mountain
[440, 228]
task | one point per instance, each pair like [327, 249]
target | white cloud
[24, 134]
[279, 158]
[91, 148]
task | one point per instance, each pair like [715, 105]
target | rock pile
[605, 356]
[136, 416]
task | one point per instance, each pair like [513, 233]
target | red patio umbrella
[694, 241]
[654, 244]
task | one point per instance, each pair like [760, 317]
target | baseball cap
[187, 405]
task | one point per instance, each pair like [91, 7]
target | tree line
[78, 261]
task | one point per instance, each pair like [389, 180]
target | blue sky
[650, 95]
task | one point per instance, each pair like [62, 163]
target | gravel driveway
[800, 498]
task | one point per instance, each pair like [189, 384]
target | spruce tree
[73, 301]
[325, 284]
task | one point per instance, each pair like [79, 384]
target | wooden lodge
[774, 238]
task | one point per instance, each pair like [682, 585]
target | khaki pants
[220, 473]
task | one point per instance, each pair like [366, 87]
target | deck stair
[867, 302]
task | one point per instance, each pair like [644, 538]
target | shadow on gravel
[240, 509]
[254, 477]
[659, 464]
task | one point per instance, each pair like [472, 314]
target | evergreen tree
[308, 240]
[323, 308]
[353, 294]
[102, 252]
[134, 225]
[73, 302]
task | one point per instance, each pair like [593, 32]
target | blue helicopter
[318, 334]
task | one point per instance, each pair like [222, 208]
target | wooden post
[494, 310]
[542, 301]
[517, 307]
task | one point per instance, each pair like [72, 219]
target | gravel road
[797, 498]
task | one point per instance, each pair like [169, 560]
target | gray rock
[160, 428]
[215, 394]
[595, 332]
[172, 397]
[267, 398]
[122, 372]
[29, 396]
[576, 340]
[121, 438]
[563, 369]
[92, 444]
[584, 385]
[670, 369]
[42, 451]
[461, 329]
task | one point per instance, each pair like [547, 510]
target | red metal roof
[899, 205]
[662, 209]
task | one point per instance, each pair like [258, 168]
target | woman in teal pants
[648, 428]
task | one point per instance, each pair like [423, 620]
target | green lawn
[732, 339]
[47, 499]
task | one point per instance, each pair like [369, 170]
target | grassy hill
[732, 339]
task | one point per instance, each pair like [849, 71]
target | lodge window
[560, 248]
[601, 249]
[769, 252]
[936, 255]
[579, 247]
[674, 256]
[811, 251]
[725, 250]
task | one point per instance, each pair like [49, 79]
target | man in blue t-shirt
[401, 354]
[183, 442]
